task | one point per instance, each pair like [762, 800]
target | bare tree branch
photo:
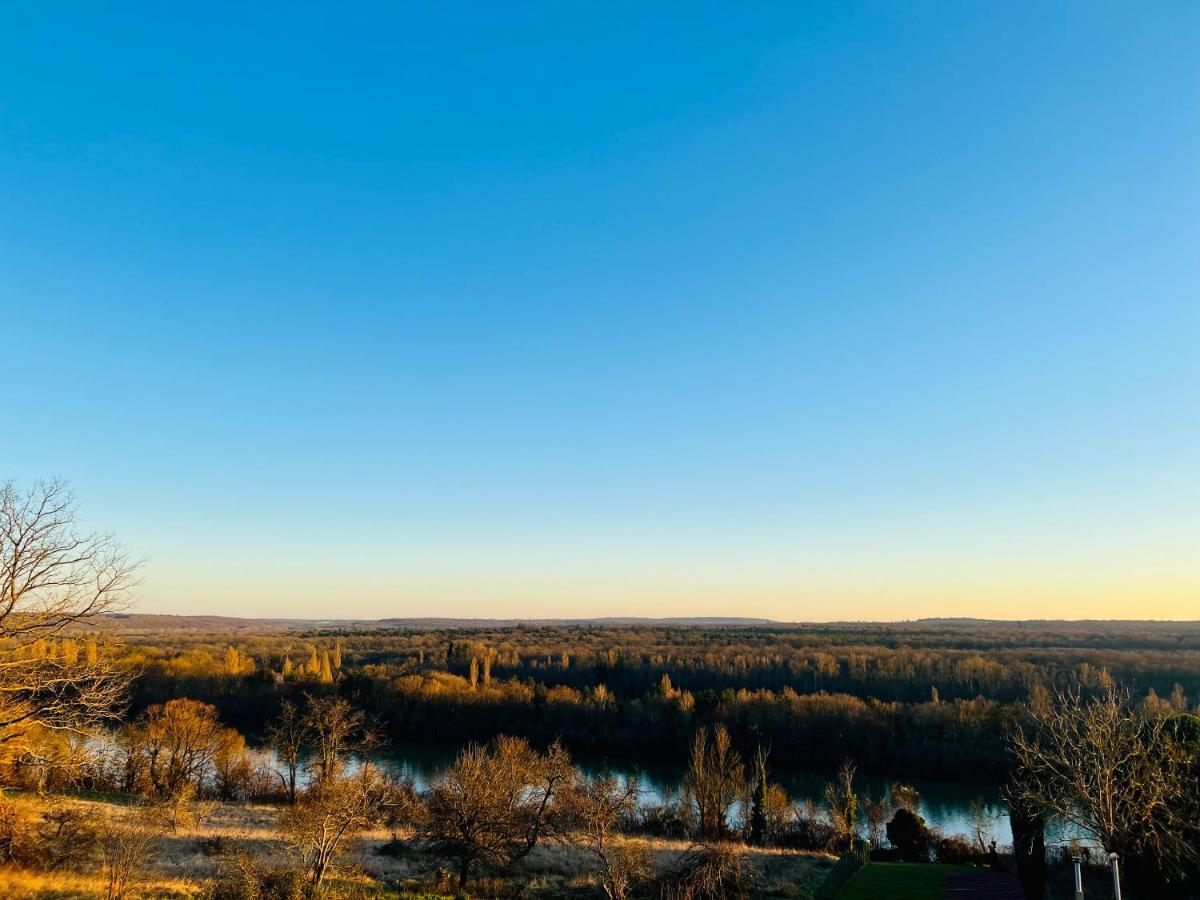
[1109, 770]
[54, 581]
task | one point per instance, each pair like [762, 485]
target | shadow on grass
[902, 881]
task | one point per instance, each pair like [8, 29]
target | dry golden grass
[183, 861]
[19, 884]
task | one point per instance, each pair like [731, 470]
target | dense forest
[930, 698]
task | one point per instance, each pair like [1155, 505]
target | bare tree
[904, 796]
[593, 812]
[287, 735]
[181, 739]
[1103, 766]
[335, 729]
[232, 767]
[981, 825]
[126, 843]
[716, 777]
[493, 804]
[324, 819]
[877, 814]
[843, 806]
[54, 578]
[395, 800]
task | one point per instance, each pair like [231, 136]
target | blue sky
[806, 311]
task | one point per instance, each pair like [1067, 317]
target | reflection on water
[946, 805]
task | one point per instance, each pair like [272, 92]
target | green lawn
[900, 881]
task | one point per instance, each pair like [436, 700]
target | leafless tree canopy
[54, 579]
[126, 844]
[842, 803]
[715, 779]
[336, 730]
[493, 804]
[1110, 770]
[288, 734]
[325, 819]
[594, 811]
[173, 745]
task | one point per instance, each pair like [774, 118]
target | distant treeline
[898, 699]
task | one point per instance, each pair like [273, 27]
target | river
[945, 805]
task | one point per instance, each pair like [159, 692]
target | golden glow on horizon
[849, 598]
[1071, 567]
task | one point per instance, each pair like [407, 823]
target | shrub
[242, 878]
[282, 884]
[911, 837]
[55, 837]
[396, 849]
[324, 820]
[591, 812]
[711, 872]
[67, 837]
[216, 845]
[493, 804]
[958, 851]
[669, 819]
[126, 843]
[806, 830]
[17, 839]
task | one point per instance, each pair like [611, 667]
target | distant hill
[147, 623]
[157, 622]
[602, 620]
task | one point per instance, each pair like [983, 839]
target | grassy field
[182, 862]
[900, 881]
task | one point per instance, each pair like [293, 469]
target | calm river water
[945, 805]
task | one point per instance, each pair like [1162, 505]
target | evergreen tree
[758, 810]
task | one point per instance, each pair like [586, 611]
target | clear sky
[799, 310]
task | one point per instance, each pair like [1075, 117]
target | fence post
[847, 865]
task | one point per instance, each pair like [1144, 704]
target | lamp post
[1078, 860]
[1116, 872]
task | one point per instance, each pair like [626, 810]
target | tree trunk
[1029, 850]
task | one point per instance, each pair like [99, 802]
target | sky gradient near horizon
[804, 311]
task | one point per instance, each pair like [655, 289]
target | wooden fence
[842, 870]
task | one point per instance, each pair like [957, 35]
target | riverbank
[955, 808]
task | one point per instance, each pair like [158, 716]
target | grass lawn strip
[901, 881]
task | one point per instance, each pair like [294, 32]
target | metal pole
[1078, 860]
[1116, 870]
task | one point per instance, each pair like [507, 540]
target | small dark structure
[983, 887]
